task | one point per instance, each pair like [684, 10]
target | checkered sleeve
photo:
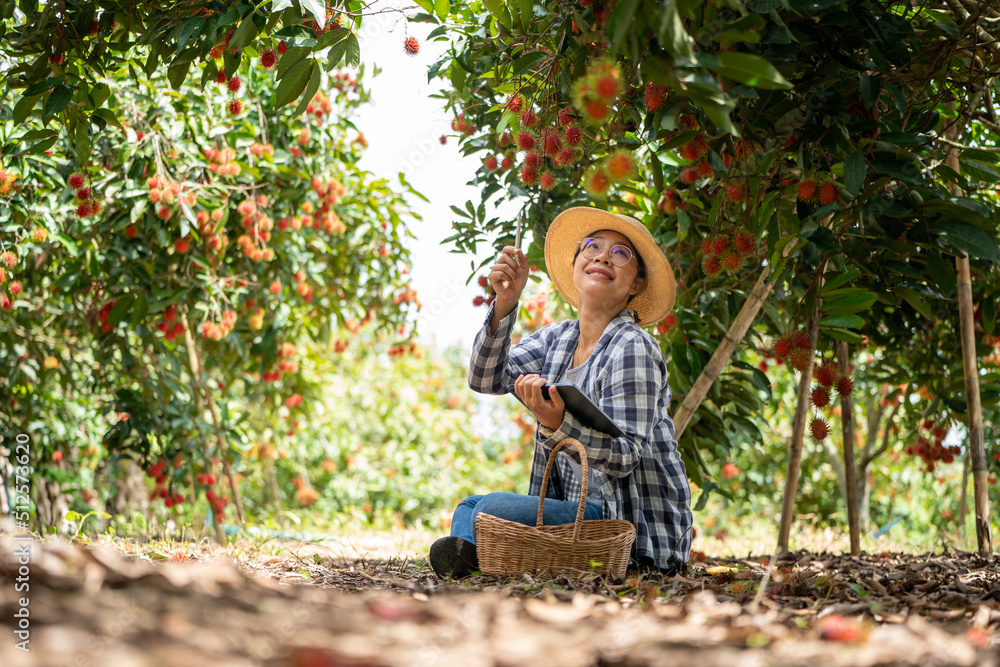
[630, 387]
[495, 364]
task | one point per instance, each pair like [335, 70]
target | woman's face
[600, 280]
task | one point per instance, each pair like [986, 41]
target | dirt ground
[316, 605]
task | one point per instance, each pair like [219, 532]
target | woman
[609, 267]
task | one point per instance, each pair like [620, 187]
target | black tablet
[584, 409]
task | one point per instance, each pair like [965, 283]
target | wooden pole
[850, 473]
[715, 366]
[963, 499]
[798, 433]
[977, 447]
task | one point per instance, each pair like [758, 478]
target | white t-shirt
[568, 468]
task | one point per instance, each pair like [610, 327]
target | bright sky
[403, 125]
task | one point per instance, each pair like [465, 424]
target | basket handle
[585, 473]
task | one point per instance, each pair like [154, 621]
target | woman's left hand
[549, 413]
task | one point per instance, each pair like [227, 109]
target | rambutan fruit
[745, 243]
[566, 156]
[704, 169]
[620, 166]
[572, 135]
[84, 209]
[235, 107]
[15, 288]
[532, 160]
[708, 246]
[687, 121]
[547, 180]
[736, 191]
[819, 430]
[720, 244]
[826, 375]
[528, 176]
[76, 180]
[782, 348]
[711, 265]
[689, 151]
[551, 143]
[565, 117]
[411, 46]
[606, 86]
[688, 175]
[181, 245]
[490, 163]
[807, 190]
[799, 359]
[268, 59]
[282, 47]
[596, 111]
[731, 261]
[526, 140]
[828, 193]
[801, 340]
[83, 194]
[655, 95]
[597, 182]
[506, 163]
[528, 117]
[820, 397]
[234, 84]
[845, 386]
[515, 103]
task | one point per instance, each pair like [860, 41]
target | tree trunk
[963, 500]
[798, 432]
[977, 448]
[715, 366]
[847, 423]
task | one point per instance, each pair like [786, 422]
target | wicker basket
[506, 548]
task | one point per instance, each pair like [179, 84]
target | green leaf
[58, 99]
[108, 117]
[943, 272]
[751, 70]
[23, 108]
[980, 171]
[121, 308]
[294, 82]
[973, 240]
[315, 7]
[248, 31]
[849, 321]
[855, 171]
[621, 19]
[177, 73]
[67, 243]
[870, 87]
[526, 61]
[311, 89]
[525, 12]
[844, 335]
[673, 36]
[442, 8]
[917, 301]
[353, 51]
[504, 121]
[850, 303]
[499, 10]
[832, 282]
[140, 310]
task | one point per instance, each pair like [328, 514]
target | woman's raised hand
[508, 276]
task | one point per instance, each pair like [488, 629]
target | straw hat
[570, 227]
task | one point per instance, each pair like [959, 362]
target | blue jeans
[516, 507]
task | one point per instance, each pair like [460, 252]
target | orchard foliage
[168, 244]
[807, 137]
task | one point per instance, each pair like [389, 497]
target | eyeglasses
[619, 255]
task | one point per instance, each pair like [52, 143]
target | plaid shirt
[645, 479]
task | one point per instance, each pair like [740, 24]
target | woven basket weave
[506, 548]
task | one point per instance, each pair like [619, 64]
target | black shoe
[453, 557]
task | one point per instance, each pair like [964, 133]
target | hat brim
[654, 302]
